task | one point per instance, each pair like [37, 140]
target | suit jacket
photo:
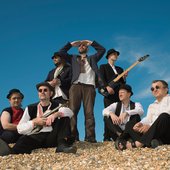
[65, 78]
[92, 59]
[108, 75]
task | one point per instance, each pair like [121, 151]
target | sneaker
[4, 148]
[66, 149]
[155, 143]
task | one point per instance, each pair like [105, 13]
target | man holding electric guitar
[113, 77]
[108, 72]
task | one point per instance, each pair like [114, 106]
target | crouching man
[54, 129]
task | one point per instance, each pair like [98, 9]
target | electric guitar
[114, 83]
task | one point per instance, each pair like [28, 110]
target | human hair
[165, 84]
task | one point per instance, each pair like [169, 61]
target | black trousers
[9, 136]
[59, 135]
[159, 130]
[107, 102]
[113, 129]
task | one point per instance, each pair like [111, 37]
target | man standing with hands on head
[84, 74]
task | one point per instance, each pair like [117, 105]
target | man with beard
[60, 78]
[84, 73]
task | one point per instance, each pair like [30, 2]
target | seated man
[153, 129]
[11, 116]
[119, 114]
[54, 129]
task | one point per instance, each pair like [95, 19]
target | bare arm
[5, 121]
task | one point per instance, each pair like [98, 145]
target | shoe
[4, 148]
[66, 149]
[155, 143]
[107, 139]
[91, 140]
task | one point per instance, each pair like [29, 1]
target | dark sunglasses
[156, 87]
[42, 90]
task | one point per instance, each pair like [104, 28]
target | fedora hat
[56, 54]
[45, 84]
[12, 91]
[126, 87]
[111, 51]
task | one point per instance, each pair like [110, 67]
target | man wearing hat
[153, 129]
[119, 114]
[60, 78]
[108, 72]
[54, 131]
[11, 116]
[84, 73]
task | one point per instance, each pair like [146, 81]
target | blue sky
[31, 31]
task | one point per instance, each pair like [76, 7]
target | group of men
[52, 122]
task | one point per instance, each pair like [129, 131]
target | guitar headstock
[143, 58]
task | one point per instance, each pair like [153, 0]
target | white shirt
[88, 77]
[112, 108]
[155, 109]
[58, 91]
[25, 125]
[114, 69]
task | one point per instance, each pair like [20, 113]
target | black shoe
[155, 143]
[66, 149]
[91, 140]
[4, 148]
[107, 139]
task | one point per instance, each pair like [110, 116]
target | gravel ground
[101, 155]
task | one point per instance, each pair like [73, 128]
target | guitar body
[103, 91]
[115, 82]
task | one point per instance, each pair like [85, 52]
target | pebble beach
[89, 156]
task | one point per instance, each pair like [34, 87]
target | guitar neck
[128, 69]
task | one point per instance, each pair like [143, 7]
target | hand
[137, 126]
[87, 42]
[122, 117]
[125, 75]
[144, 129]
[50, 119]
[75, 43]
[39, 121]
[110, 90]
[115, 119]
[54, 82]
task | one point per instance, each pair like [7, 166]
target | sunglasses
[16, 98]
[42, 90]
[156, 87]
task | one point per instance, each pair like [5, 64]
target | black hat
[112, 51]
[126, 87]
[12, 91]
[57, 54]
[45, 84]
